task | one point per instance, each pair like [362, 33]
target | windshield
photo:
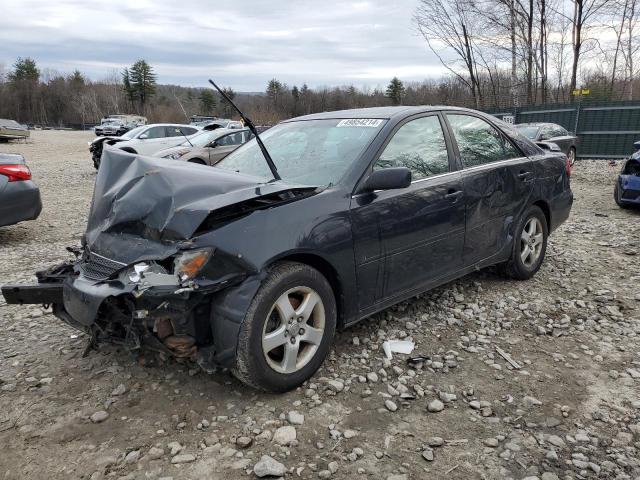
[528, 131]
[312, 152]
[133, 133]
[204, 138]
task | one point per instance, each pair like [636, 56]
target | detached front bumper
[171, 318]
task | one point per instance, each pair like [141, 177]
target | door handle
[524, 175]
[453, 195]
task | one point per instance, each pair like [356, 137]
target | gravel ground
[572, 409]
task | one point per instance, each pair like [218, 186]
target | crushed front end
[162, 305]
[155, 268]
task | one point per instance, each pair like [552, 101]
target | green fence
[605, 130]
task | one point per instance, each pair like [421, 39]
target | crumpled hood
[147, 208]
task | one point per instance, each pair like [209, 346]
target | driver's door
[409, 238]
[152, 140]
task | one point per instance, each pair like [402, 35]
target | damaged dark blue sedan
[230, 266]
[626, 193]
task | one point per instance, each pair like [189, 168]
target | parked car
[19, 195]
[551, 133]
[254, 268]
[119, 124]
[208, 147]
[627, 190]
[144, 140]
[12, 130]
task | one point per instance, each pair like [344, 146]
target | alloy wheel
[531, 241]
[294, 330]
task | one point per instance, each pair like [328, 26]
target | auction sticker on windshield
[360, 122]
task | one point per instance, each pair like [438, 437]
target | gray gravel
[571, 411]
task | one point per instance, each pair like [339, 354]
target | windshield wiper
[249, 123]
[185, 137]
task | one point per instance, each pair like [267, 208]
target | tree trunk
[577, 43]
[514, 75]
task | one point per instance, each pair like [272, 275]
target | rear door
[498, 182]
[406, 238]
[561, 137]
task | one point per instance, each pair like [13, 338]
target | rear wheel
[288, 329]
[571, 155]
[529, 245]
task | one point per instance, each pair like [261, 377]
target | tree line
[499, 54]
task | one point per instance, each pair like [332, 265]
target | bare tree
[452, 24]
[584, 14]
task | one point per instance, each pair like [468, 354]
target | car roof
[386, 113]
[167, 125]
[538, 124]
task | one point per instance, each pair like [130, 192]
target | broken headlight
[187, 264]
[176, 155]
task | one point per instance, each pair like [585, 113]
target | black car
[551, 133]
[228, 266]
[19, 195]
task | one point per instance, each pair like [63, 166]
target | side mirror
[552, 147]
[144, 136]
[388, 179]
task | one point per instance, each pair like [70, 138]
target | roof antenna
[249, 123]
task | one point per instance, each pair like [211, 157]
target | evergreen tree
[207, 102]
[274, 91]
[24, 80]
[128, 88]
[395, 91]
[227, 110]
[139, 83]
[143, 82]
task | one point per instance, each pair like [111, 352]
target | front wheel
[571, 155]
[529, 246]
[617, 196]
[287, 330]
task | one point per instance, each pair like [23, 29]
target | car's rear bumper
[560, 209]
[19, 201]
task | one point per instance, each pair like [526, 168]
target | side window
[418, 145]
[154, 132]
[479, 142]
[558, 131]
[180, 131]
[231, 139]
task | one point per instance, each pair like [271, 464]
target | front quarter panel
[317, 226]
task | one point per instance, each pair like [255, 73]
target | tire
[96, 161]
[261, 364]
[616, 196]
[572, 156]
[519, 266]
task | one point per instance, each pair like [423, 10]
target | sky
[241, 44]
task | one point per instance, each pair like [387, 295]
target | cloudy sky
[240, 43]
